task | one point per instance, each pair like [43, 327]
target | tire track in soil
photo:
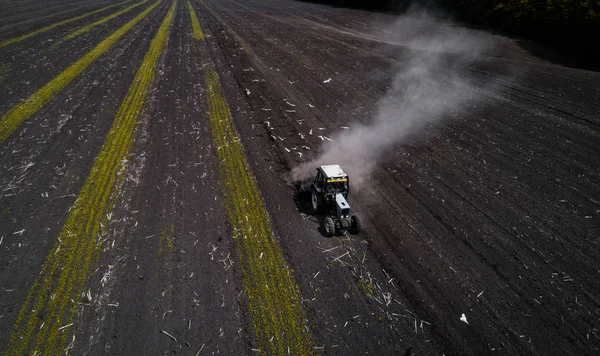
[66, 269]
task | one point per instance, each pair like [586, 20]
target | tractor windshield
[337, 186]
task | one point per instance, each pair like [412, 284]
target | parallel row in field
[274, 297]
[64, 274]
[510, 181]
[86, 28]
[198, 35]
[37, 10]
[23, 111]
[57, 24]
[273, 294]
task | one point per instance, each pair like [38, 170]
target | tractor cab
[332, 180]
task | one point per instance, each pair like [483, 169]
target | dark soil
[493, 214]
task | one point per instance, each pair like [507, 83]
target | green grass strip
[51, 304]
[274, 297]
[86, 28]
[198, 35]
[22, 111]
[50, 27]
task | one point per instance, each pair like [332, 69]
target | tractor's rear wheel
[329, 226]
[314, 199]
[356, 225]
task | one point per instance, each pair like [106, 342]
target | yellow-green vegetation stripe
[165, 244]
[103, 20]
[50, 27]
[50, 306]
[4, 69]
[198, 35]
[274, 297]
[22, 111]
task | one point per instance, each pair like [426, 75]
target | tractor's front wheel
[314, 199]
[356, 225]
[329, 226]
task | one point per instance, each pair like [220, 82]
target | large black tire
[356, 225]
[329, 226]
[315, 201]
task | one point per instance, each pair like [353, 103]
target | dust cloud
[432, 82]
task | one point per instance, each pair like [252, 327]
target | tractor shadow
[304, 206]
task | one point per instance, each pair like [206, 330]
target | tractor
[329, 194]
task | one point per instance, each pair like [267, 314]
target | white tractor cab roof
[333, 171]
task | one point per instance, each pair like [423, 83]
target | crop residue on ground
[165, 243]
[23, 111]
[86, 28]
[58, 287]
[273, 294]
[55, 25]
[198, 35]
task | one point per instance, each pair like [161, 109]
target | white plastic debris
[327, 80]
[463, 318]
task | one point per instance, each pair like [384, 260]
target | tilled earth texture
[148, 202]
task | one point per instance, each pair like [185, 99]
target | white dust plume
[432, 82]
